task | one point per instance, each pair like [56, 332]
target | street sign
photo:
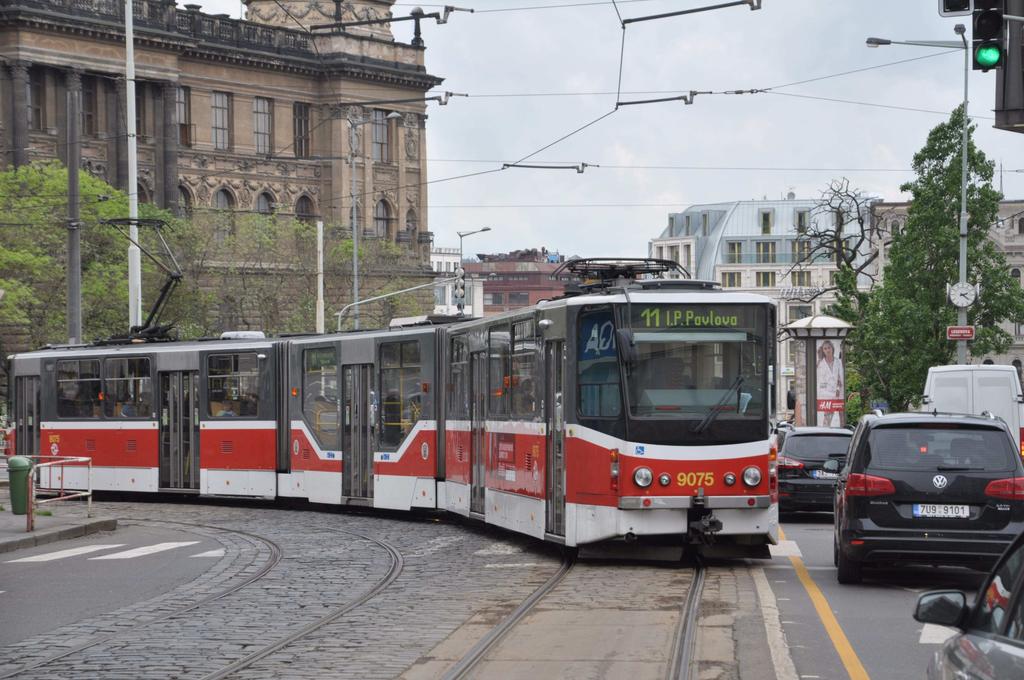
[960, 332]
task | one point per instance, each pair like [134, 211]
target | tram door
[26, 415]
[555, 472]
[478, 474]
[179, 430]
[358, 413]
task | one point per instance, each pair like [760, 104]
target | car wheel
[847, 570]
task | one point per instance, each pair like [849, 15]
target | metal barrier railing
[58, 493]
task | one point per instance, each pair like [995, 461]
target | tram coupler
[702, 524]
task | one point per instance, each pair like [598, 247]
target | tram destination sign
[672, 317]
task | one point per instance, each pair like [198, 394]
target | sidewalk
[68, 521]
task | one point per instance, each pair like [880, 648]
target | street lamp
[352, 125]
[960, 30]
[464, 234]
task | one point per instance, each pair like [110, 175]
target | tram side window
[459, 389]
[233, 385]
[498, 379]
[320, 393]
[127, 388]
[523, 385]
[79, 391]
[598, 366]
[400, 386]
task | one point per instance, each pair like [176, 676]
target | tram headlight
[729, 479]
[664, 479]
[752, 476]
[643, 477]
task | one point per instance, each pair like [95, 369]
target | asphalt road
[875, 616]
[45, 587]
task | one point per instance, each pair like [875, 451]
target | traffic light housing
[988, 39]
[955, 8]
[459, 288]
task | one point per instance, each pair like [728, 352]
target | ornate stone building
[246, 115]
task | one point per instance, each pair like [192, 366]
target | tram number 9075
[695, 478]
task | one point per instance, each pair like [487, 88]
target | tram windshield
[698, 362]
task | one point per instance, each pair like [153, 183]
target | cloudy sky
[537, 70]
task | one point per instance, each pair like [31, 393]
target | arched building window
[1020, 225]
[184, 200]
[304, 209]
[1015, 273]
[381, 218]
[223, 200]
[143, 195]
[264, 203]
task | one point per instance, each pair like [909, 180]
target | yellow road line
[854, 668]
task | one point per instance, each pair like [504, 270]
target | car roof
[934, 417]
[832, 431]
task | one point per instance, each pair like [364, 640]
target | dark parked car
[804, 484]
[990, 644]
[927, 488]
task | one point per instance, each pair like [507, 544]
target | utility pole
[74, 155]
[352, 216]
[134, 254]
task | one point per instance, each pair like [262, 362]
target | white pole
[319, 276]
[134, 255]
[352, 219]
[961, 314]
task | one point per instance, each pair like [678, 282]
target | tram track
[396, 567]
[683, 664]
[274, 559]
[680, 661]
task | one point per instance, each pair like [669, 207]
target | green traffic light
[988, 56]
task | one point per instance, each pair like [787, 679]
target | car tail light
[1011, 488]
[787, 463]
[858, 484]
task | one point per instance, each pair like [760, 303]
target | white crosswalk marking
[145, 550]
[935, 635]
[211, 553]
[785, 548]
[70, 552]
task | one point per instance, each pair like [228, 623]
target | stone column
[19, 112]
[168, 149]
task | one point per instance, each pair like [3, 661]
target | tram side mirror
[626, 346]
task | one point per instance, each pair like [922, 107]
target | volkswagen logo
[940, 481]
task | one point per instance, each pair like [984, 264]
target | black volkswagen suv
[927, 488]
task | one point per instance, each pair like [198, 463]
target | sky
[537, 70]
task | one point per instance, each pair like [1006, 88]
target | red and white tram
[636, 408]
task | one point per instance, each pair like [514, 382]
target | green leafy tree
[901, 331]
[33, 257]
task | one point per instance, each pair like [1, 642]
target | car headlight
[664, 479]
[752, 476]
[729, 479]
[643, 477]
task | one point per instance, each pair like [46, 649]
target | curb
[52, 535]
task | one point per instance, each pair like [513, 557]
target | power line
[872, 104]
[612, 166]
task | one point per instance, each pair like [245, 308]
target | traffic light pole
[961, 345]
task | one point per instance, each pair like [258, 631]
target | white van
[976, 389]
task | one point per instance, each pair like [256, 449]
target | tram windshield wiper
[719, 407]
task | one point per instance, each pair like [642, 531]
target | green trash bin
[18, 469]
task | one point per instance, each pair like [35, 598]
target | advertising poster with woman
[831, 404]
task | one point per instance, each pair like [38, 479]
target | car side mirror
[942, 607]
[832, 465]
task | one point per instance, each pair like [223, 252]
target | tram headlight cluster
[752, 476]
[664, 479]
[729, 479]
[643, 477]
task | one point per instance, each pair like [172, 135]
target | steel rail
[275, 557]
[683, 664]
[397, 565]
[477, 653]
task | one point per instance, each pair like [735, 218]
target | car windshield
[816, 446]
[932, 448]
[693, 361]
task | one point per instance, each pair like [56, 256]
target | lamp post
[464, 234]
[352, 124]
[960, 30]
